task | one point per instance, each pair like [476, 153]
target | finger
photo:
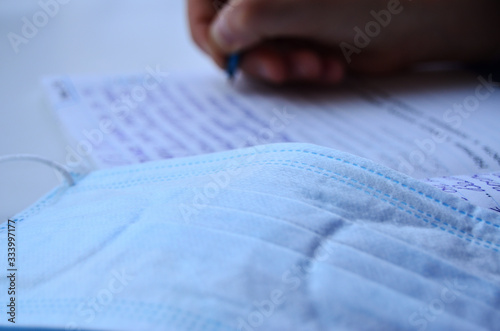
[245, 23]
[304, 65]
[201, 13]
[280, 64]
[265, 63]
[334, 70]
[315, 66]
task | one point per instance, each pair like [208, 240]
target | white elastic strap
[36, 158]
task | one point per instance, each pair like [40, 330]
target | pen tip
[232, 66]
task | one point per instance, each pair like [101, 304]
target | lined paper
[480, 189]
[425, 125]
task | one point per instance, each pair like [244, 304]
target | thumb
[244, 23]
[233, 28]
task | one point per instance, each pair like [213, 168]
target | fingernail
[222, 34]
[306, 66]
[263, 71]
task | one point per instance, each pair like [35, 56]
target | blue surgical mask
[274, 237]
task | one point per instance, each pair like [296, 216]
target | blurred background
[73, 37]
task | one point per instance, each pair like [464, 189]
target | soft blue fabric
[275, 237]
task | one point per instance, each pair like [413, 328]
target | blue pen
[233, 62]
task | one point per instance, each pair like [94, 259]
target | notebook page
[425, 125]
[482, 189]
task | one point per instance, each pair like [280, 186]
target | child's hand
[319, 40]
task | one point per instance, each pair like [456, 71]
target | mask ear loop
[35, 158]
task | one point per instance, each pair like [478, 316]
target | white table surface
[84, 36]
